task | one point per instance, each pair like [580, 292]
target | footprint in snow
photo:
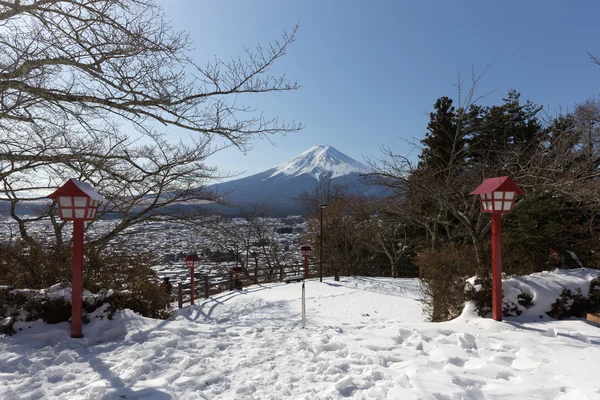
[467, 382]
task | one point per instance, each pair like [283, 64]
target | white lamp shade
[78, 208]
[497, 201]
[80, 201]
[65, 201]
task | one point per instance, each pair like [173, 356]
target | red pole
[497, 266]
[192, 269]
[77, 280]
[306, 265]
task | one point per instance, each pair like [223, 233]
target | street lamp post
[77, 202]
[497, 196]
[323, 207]
[190, 262]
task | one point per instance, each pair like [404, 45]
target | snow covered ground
[365, 339]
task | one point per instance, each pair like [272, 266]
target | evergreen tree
[443, 140]
[495, 129]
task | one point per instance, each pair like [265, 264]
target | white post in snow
[303, 307]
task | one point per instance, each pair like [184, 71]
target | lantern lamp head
[77, 201]
[497, 195]
[306, 250]
[191, 260]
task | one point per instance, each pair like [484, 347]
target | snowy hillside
[320, 162]
[365, 339]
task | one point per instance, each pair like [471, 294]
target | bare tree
[394, 236]
[251, 234]
[348, 228]
[84, 86]
[587, 121]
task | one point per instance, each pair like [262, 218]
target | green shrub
[594, 296]
[51, 311]
[571, 304]
[562, 306]
[480, 294]
[525, 299]
[510, 309]
[482, 297]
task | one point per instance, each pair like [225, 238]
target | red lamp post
[77, 202]
[497, 196]
[306, 250]
[190, 262]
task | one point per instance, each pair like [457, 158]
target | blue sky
[370, 71]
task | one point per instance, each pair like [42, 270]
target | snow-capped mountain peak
[320, 162]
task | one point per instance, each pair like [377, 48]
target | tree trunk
[479, 255]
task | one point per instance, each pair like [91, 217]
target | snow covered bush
[562, 293]
[594, 295]
[575, 303]
[148, 299]
[569, 304]
[559, 294]
[35, 271]
[479, 291]
[53, 305]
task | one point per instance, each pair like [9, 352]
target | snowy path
[365, 339]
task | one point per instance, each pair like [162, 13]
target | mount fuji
[320, 162]
[279, 187]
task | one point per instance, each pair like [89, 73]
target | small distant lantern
[78, 202]
[190, 262]
[306, 250]
[497, 196]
